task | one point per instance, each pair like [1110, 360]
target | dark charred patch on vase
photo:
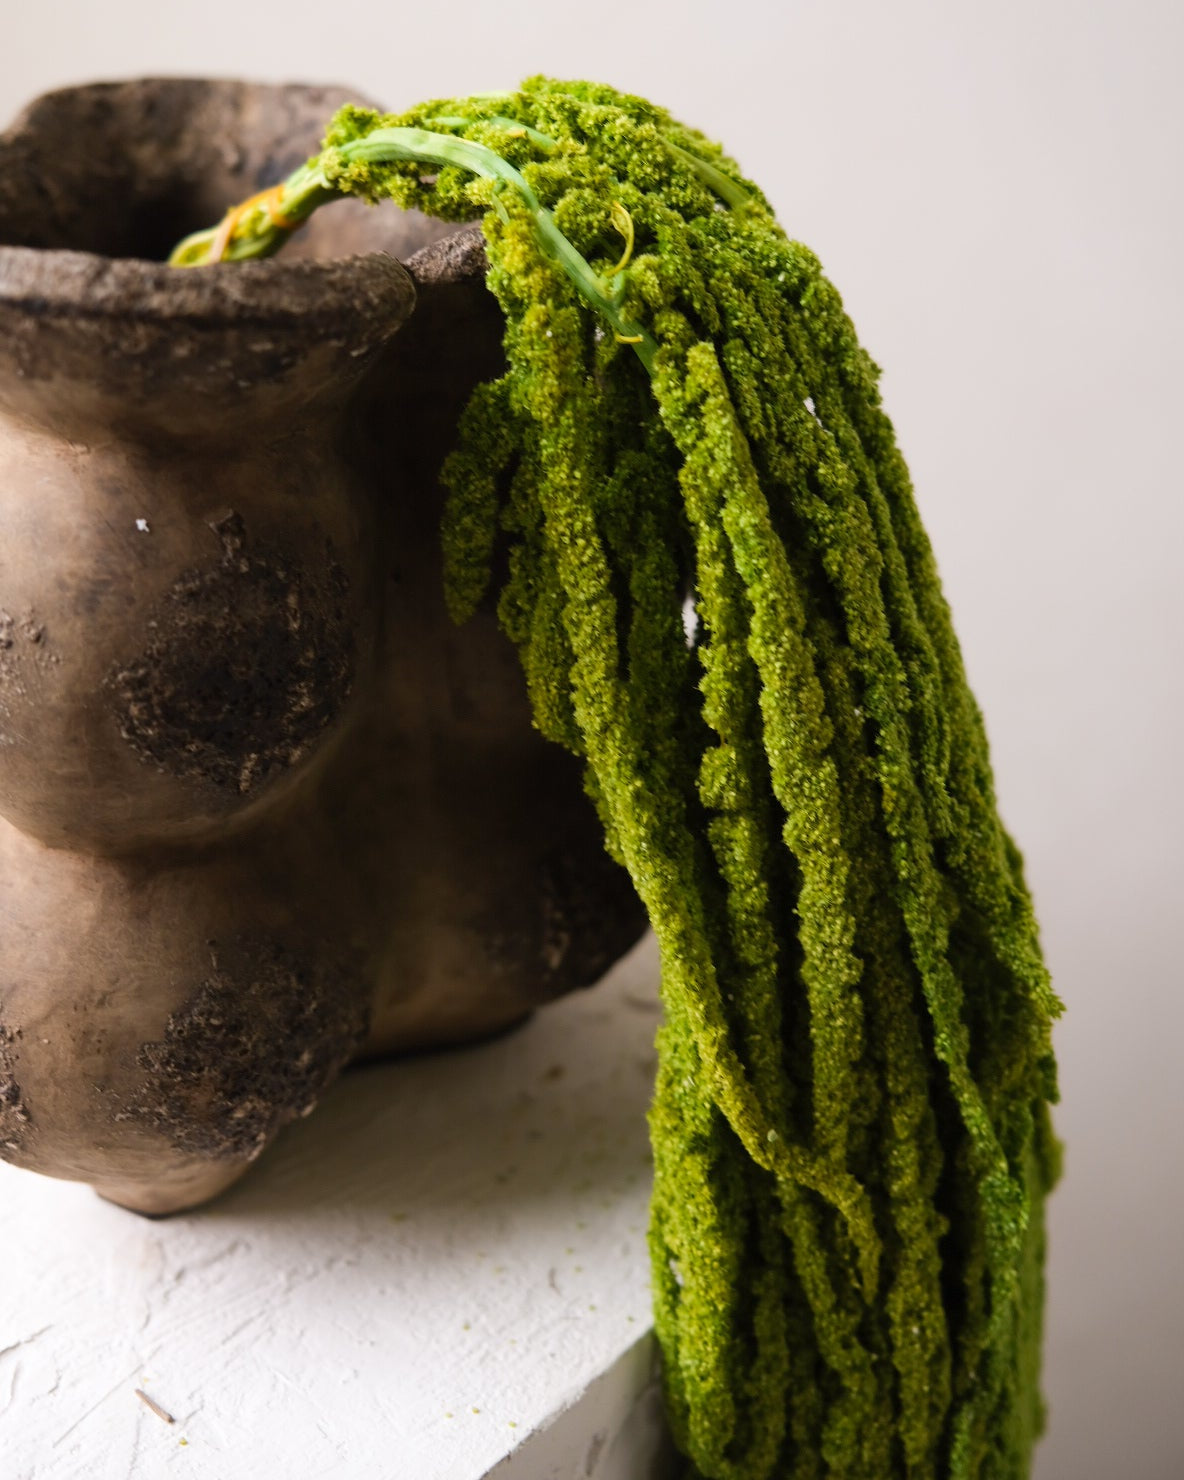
[14, 1117]
[254, 1047]
[247, 664]
[590, 913]
[584, 915]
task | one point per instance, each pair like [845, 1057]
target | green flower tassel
[851, 1133]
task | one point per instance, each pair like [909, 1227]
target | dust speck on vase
[252, 1048]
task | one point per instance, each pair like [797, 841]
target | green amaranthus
[851, 1134]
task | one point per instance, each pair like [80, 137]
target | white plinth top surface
[411, 1282]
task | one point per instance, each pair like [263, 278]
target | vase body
[263, 809]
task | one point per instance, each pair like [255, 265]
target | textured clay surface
[438, 871]
[254, 1047]
[13, 1115]
[248, 662]
[26, 657]
[587, 907]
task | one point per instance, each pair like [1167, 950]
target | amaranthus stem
[256, 231]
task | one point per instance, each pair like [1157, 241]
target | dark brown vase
[265, 810]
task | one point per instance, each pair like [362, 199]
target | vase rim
[97, 178]
[372, 293]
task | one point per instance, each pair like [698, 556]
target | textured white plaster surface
[414, 1282]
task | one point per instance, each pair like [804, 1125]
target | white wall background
[997, 191]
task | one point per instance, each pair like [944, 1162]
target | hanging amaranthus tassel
[850, 1126]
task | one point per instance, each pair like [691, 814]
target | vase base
[177, 1194]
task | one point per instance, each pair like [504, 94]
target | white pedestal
[439, 1275]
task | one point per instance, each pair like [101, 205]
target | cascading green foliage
[850, 1126]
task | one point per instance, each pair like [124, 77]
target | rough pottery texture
[265, 809]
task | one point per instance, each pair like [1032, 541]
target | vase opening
[127, 169]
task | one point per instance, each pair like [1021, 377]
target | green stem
[419, 146]
[511, 125]
[733, 195]
[258, 235]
